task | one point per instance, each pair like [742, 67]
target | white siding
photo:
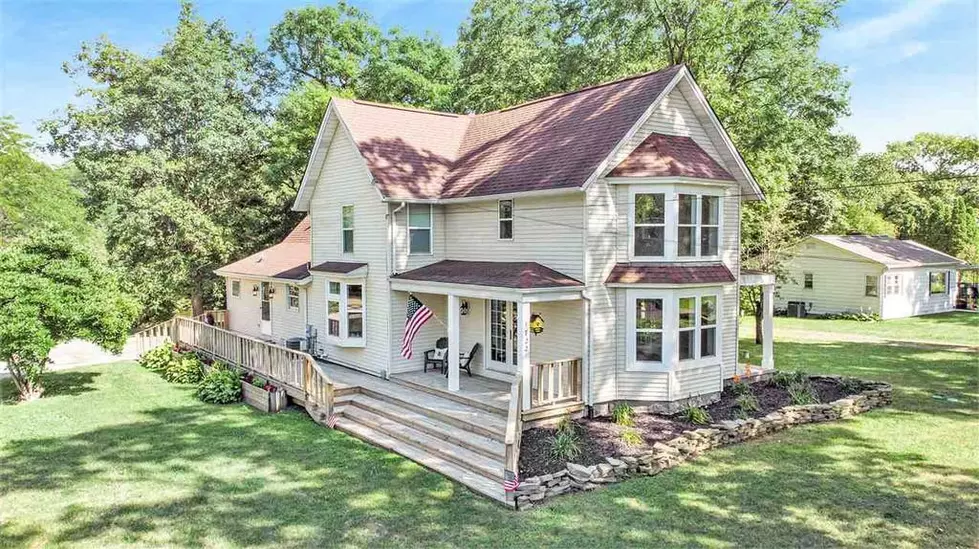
[691, 382]
[426, 336]
[839, 280]
[405, 261]
[287, 322]
[344, 180]
[245, 312]
[915, 298]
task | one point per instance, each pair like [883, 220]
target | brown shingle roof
[288, 259]
[551, 143]
[661, 155]
[524, 275]
[660, 273]
[338, 267]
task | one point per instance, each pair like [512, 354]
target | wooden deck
[482, 392]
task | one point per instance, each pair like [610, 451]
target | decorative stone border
[575, 478]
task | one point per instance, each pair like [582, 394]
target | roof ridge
[580, 90]
[404, 108]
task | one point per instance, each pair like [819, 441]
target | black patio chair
[439, 364]
[465, 361]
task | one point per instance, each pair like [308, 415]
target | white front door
[266, 322]
[502, 336]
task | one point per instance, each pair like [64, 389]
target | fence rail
[556, 382]
[511, 440]
[220, 317]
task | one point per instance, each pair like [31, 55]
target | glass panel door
[266, 323]
[502, 336]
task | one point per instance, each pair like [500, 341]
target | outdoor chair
[465, 361]
[437, 357]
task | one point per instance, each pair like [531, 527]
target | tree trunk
[27, 388]
[759, 313]
[197, 300]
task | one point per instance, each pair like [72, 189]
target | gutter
[390, 258]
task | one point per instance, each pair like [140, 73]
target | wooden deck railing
[511, 440]
[297, 372]
[556, 382]
[220, 317]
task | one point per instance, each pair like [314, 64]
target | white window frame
[671, 215]
[945, 282]
[500, 219]
[812, 281]
[430, 228]
[671, 332]
[892, 284]
[290, 288]
[343, 230]
[344, 339]
[866, 286]
[234, 294]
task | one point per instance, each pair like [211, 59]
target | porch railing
[295, 371]
[511, 440]
[556, 382]
[220, 317]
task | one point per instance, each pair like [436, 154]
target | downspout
[391, 257]
[586, 379]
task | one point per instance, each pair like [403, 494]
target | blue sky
[912, 63]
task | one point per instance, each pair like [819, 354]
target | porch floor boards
[489, 393]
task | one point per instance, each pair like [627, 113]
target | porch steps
[447, 411]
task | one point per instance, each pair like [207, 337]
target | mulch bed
[602, 438]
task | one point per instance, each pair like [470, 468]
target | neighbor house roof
[525, 275]
[889, 251]
[287, 260]
[665, 273]
[661, 155]
[551, 143]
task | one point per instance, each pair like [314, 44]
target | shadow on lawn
[55, 384]
[225, 475]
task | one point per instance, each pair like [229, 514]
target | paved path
[806, 335]
[76, 352]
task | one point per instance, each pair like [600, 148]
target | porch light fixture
[464, 308]
[254, 290]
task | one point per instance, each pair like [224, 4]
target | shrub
[632, 437]
[696, 414]
[185, 368]
[568, 425]
[158, 359]
[740, 387]
[784, 379]
[566, 444]
[220, 386]
[747, 403]
[259, 382]
[624, 415]
[739, 413]
[802, 392]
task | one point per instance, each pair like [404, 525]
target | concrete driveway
[76, 353]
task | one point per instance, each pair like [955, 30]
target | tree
[172, 148]
[52, 289]
[410, 70]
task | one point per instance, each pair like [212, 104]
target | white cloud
[910, 49]
[878, 30]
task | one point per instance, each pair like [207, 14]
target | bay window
[345, 309]
[677, 223]
[670, 329]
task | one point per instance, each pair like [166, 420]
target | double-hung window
[937, 282]
[870, 289]
[649, 330]
[235, 288]
[649, 227]
[345, 309]
[807, 281]
[293, 297]
[420, 229]
[675, 222]
[671, 329]
[697, 327]
[347, 229]
[506, 219]
[698, 225]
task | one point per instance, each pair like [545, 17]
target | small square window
[807, 281]
[235, 288]
[293, 297]
[936, 282]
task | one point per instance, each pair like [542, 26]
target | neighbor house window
[506, 219]
[420, 229]
[345, 310]
[937, 282]
[293, 298]
[892, 285]
[347, 224]
[870, 289]
[649, 232]
[235, 288]
[698, 225]
[669, 330]
[807, 281]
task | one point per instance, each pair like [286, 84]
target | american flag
[331, 422]
[417, 315]
[510, 481]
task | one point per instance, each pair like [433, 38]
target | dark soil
[601, 438]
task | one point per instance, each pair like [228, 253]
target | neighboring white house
[872, 274]
[610, 216]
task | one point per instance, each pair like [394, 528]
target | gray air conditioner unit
[797, 309]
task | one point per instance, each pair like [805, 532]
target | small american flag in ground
[417, 315]
[510, 481]
[332, 421]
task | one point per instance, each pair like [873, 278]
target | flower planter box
[266, 401]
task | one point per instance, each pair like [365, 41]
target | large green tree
[172, 148]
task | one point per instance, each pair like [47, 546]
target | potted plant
[260, 394]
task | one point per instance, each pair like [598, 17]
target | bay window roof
[666, 273]
[661, 155]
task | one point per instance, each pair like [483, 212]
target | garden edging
[575, 478]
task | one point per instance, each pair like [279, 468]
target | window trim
[945, 284]
[289, 297]
[232, 289]
[500, 219]
[671, 331]
[671, 197]
[353, 225]
[430, 229]
[867, 286]
[344, 339]
[810, 279]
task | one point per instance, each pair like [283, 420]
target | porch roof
[520, 275]
[667, 273]
[337, 267]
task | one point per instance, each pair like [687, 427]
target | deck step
[485, 486]
[457, 397]
[445, 410]
[491, 468]
[490, 447]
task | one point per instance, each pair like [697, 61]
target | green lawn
[957, 327]
[115, 456]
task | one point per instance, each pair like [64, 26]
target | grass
[113, 455]
[957, 327]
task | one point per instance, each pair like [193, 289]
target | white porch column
[523, 351]
[453, 329]
[767, 326]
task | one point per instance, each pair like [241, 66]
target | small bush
[220, 386]
[566, 445]
[158, 359]
[697, 415]
[624, 415]
[784, 379]
[802, 392]
[748, 402]
[185, 368]
[740, 387]
[259, 382]
[632, 438]
[568, 425]
[739, 413]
